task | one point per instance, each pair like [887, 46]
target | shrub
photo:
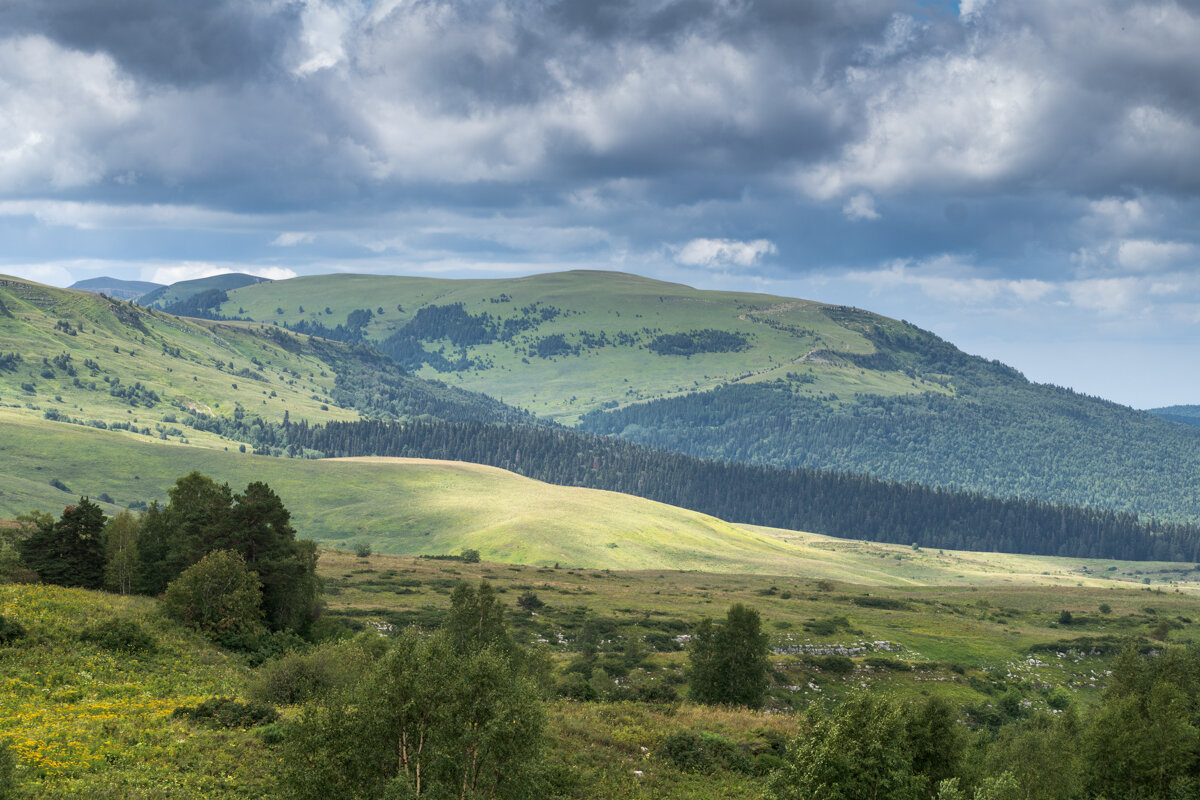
[530, 602]
[121, 635]
[298, 677]
[838, 665]
[225, 712]
[10, 630]
[57, 484]
[576, 687]
[702, 752]
[218, 596]
[362, 549]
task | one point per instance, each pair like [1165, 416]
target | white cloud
[58, 110]
[969, 8]
[723, 253]
[1145, 255]
[949, 280]
[325, 27]
[91, 216]
[860, 207]
[1110, 296]
[293, 238]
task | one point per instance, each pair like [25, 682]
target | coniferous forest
[839, 504]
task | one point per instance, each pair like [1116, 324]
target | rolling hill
[752, 378]
[115, 287]
[76, 356]
[406, 506]
[165, 296]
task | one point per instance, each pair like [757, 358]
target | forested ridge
[839, 504]
[1011, 440]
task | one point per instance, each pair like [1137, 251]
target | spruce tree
[69, 552]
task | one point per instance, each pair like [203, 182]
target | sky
[1021, 177]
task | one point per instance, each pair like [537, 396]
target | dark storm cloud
[166, 41]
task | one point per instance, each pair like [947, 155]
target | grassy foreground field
[85, 720]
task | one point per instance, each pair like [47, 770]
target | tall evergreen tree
[69, 552]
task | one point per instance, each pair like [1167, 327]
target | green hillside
[566, 343]
[164, 296]
[396, 505]
[1188, 415]
[77, 356]
[753, 378]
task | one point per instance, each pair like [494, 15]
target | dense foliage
[452, 714]
[727, 663]
[203, 517]
[1000, 436]
[69, 552]
[707, 340]
[851, 506]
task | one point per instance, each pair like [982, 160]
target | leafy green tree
[154, 569]
[198, 506]
[1143, 741]
[259, 527]
[1042, 754]
[218, 596]
[858, 751]
[937, 741]
[69, 552]
[430, 721]
[120, 550]
[477, 619]
[728, 662]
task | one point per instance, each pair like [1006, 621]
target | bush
[298, 677]
[530, 602]
[362, 549]
[218, 596]
[702, 752]
[577, 687]
[225, 712]
[121, 635]
[838, 665]
[10, 630]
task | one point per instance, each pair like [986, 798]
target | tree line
[839, 504]
[206, 537]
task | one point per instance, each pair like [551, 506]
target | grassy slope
[86, 722]
[566, 386]
[424, 507]
[186, 362]
[166, 295]
[399, 506]
[89, 722]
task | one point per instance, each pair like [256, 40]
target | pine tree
[70, 552]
